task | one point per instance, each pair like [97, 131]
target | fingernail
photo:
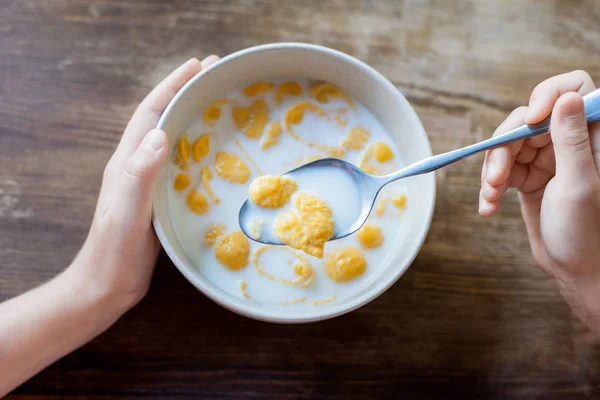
[484, 205]
[571, 109]
[209, 61]
[154, 140]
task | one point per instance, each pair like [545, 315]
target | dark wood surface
[472, 318]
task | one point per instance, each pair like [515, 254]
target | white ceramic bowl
[304, 61]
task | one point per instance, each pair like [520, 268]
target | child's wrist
[94, 294]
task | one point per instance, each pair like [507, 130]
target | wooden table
[472, 318]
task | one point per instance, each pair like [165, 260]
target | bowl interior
[302, 61]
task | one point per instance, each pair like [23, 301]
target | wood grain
[472, 318]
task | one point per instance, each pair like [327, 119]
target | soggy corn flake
[252, 120]
[257, 88]
[287, 89]
[184, 148]
[206, 176]
[272, 136]
[381, 152]
[366, 166]
[295, 114]
[213, 232]
[181, 182]
[256, 228]
[356, 139]
[259, 118]
[201, 147]
[370, 236]
[270, 191]
[399, 200]
[340, 121]
[325, 91]
[345, 264]
[308, 227]
[233, 250]
[230, 167]
[212, 113]
[197, 202]
[240, 116]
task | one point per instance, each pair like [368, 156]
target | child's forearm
[42, 325]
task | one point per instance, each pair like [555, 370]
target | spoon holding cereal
[332, 198]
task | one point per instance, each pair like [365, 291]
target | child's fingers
[497, 166]
[518, 175]
[499, 160]
[545, 160]
[493, 194]
[526, 155]
[150, 109]
[531, 175]
[489, 196]
[528, 178]
[148, 112]
[487, 208]
[133, 194]
[488, 192]
[539, 141]
[546, 93]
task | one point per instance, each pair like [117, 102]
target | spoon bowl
[365, 185]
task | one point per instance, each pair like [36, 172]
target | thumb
[571, 138]
[134, 188]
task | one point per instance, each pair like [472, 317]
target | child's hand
[119, 254]
[557, 176]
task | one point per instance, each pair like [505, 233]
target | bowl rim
[238, 306]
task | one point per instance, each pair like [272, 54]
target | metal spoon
[370, 185]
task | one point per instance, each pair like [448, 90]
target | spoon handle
[592, 113]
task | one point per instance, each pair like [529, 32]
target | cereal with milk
[237, 148]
